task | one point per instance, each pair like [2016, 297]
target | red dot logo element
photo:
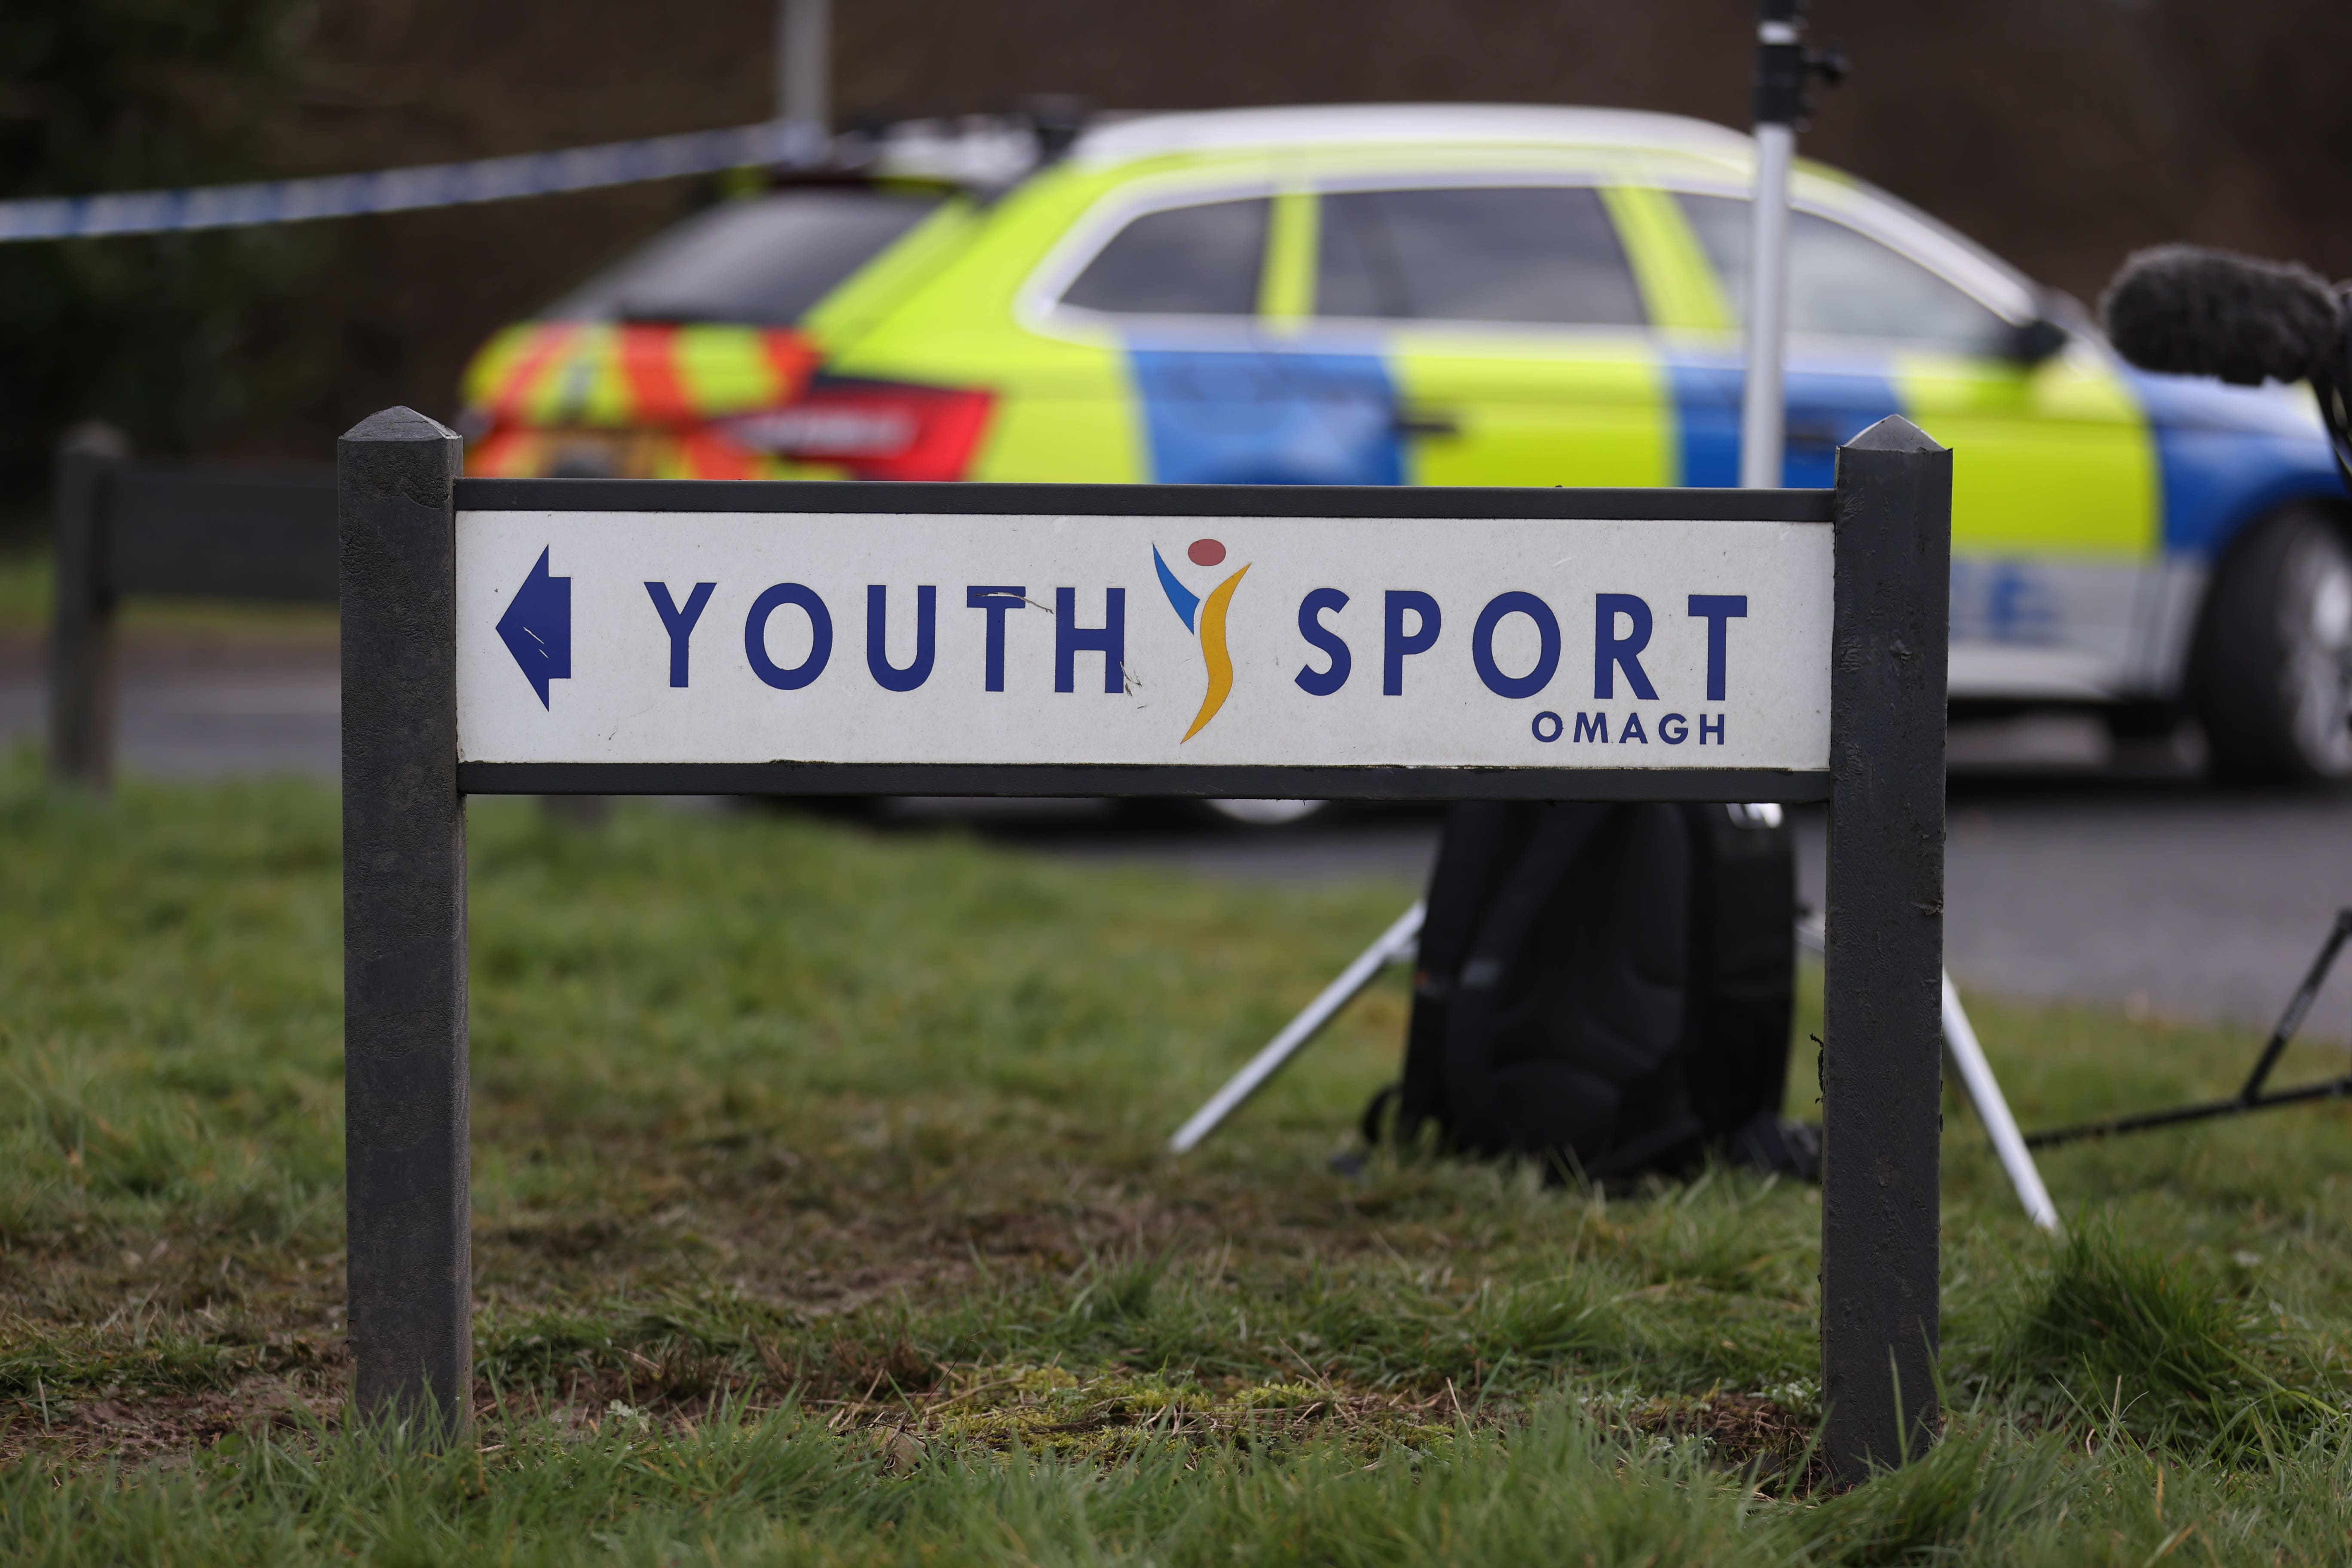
[1205, 552]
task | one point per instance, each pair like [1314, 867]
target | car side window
[1199, 261]
[1541, 253]
[1844, 284]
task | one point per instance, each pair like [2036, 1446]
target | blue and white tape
[788, 142]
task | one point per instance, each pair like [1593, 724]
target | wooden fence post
[81, 646]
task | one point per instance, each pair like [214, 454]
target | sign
[1056, 639]
[1255, 641]
[617, 636]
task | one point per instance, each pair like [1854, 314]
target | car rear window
[1545, 254]
[1842, 283]
[1199, 261]
[762, 262]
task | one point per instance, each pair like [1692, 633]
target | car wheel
[2271, 679]
[1268, 813]
[1161, 812]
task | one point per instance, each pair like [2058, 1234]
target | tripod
[1396, 945]
[2253, 1096]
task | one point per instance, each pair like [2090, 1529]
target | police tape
[788, 142]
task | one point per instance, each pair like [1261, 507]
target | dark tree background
[155, 333]
[2060, 132]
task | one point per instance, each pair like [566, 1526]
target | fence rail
[125, 527]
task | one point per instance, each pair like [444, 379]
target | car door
[1221, 398]
[1509, 323]
[2055, 511]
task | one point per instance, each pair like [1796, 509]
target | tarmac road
[2166, 897]
[198, 709]
[2069, 875]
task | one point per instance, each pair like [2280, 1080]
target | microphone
[2187, 310]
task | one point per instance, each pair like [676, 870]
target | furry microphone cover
[2192, 311]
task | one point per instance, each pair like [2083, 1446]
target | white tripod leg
[1984, 1094]
[1392, 945]
[1992, 1110]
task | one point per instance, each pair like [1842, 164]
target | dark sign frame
[407, 1106]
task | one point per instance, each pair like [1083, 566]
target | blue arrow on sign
[537, 627]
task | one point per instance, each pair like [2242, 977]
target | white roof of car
[1422, 124]
[1111, 142]
[1000, 151]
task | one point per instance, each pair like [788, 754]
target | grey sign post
[1882, 1002]
[407, 1176]
[460, 678]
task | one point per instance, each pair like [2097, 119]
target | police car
[1466, 296]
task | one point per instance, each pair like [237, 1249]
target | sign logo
[1206, 619]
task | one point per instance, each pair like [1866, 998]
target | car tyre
[1267, 813]
[1252, 815]
[2271, 678]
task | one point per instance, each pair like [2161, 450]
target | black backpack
[1605, 988]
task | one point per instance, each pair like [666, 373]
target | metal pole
[2298, 1006]
[1881, 1014]
[1779, 104]
[803, 63]
[1763, 415]
[82, 630]
[2179, 1116]
[1384, 949]
[405, 1105]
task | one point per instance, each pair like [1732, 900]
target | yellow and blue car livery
[1456, 295]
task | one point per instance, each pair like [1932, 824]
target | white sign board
[614, 637]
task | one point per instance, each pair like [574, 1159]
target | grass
[822, 1214]
[26, 579]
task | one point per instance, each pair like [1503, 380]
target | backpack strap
[1467, 1058]
[1482, 845]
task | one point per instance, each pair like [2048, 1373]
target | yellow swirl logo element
[1212, 651]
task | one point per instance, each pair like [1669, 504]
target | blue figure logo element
[537, 629]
